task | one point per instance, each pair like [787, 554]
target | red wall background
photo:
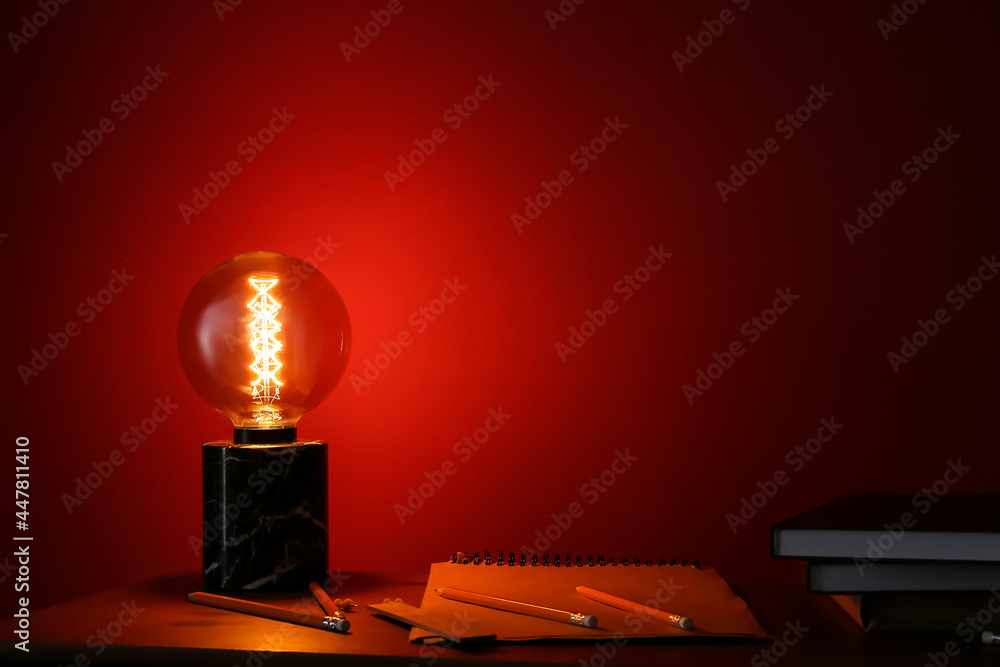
[321, 183]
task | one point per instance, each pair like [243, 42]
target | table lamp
[264, 338]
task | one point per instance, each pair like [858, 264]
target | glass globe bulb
[263, 338]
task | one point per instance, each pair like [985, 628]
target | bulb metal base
[264, 436]
[265, 515]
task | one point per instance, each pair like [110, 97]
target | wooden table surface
[153, 623]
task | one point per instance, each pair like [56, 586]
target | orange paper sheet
[700, 594]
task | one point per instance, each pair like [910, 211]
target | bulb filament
[264, 343]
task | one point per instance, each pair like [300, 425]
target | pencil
[338, 623]
[325, 603]
[676, 620]
[573, 618]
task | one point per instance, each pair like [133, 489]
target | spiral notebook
[677, 587]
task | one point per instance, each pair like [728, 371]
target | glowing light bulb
[263, 338]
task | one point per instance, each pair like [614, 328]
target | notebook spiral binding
[465, 558]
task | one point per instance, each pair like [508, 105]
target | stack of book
[920, 562]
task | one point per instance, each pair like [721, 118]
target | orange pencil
[340, 624]
[573, 618]
[325, 603]
[676, 620]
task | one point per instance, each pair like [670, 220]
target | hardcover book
[871, 527]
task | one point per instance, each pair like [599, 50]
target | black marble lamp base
[265, 510]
